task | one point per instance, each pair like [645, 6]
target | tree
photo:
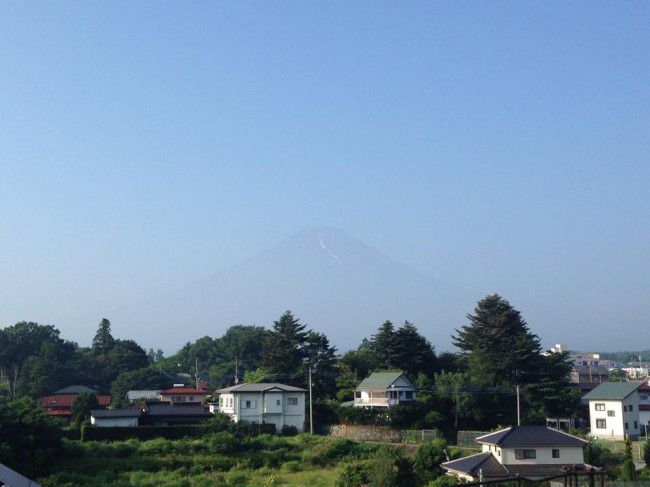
[124, 356]
[389, 468]
[103, 340]
[81, 407]
[628, 470]
[322, 358]
[427, 459]
[137, 379]
[411, 352]
[646, 453]
[29, 436]
[453, 389]
[284, 350]
[381, 345]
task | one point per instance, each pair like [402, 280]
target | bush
[427, 459]
[223, 442]
[443, 481]
[292, 466]
[646, 453]
[289, 430]
[389, 468]
[353, 475]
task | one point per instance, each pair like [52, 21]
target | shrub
[223, 442]
[389, 468]
[628, 470]
[289, 430]
[353, 475]
[646, 453]
[427, 459]
[443, 481]
[292, 466]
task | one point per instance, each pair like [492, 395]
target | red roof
[66, 400]
[645, 387]
[182, 390]
[59, 412]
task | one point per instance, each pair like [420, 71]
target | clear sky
[504, 144]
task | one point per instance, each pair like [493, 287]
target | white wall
[544, 456]
[264, 408]
[615, 425]
[113, 422]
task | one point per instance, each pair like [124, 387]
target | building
[614, 410]
[529, 452]
[150, 414]
[60, 403]
[644, 408]
[182, 394]
[268, 403]
[384, 389]
[589, 374]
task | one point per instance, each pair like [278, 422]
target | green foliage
[443, 481]
[284, 349]
[81, 407]
[427, 459]
[353, 475]
[646, 453]
[103, 341]
[389, 468]
[598, 454]
[628, 470]
[28, 438]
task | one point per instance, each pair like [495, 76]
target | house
[582, 373]
[384, 389]
[644, 408]
[529, 452]
[614, 410]
[59, 404]
[268, 403]
[182, 394]
[150, 414]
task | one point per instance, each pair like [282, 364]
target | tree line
[472, 387]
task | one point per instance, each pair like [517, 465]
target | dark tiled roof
[75, 390]
[615, 391]
[260, 387]
[489, 465]
[183, 390]
[530, 436]
[115, 413]
[168, 409]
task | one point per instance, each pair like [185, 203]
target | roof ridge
[468, 456]
[509, 429]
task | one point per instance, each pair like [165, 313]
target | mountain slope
[335, 283]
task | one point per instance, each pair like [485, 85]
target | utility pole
[196, 371]
[311, 410]
[236, 370]
[518, 408]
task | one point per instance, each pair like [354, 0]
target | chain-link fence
[419, 436]
[467, 439]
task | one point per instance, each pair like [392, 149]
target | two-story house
[644, 407]
[268, 403]
[181, 394]
[614, 410]
[530, 452]
[383, 390]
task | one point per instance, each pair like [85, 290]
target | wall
[544, 456]
[113, 422]
[366, 433]
[615, 425]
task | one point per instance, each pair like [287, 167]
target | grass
[215, 460]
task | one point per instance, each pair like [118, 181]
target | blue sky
[499, 144]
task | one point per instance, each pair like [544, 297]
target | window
[556, 453]
[644, 397]
[498, 453]
[278, 402]
[636, 425]
[630, 407]
[624, 408]
[191, 398]
[601, 424]
[292, 401]
[521, 454]
[600, 406]
[357, 394]
[626, 427]
[408, 394]
[247, 404]
[611, 413]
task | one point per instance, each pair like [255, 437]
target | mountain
[332, 281]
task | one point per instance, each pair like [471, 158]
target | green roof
[379, 380]
[615, 391]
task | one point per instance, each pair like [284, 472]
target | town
[282, 403]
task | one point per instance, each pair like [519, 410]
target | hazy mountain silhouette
[332, 281]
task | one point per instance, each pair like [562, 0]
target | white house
[258, 403]
[614, 410]
[107, 418]
[384, 389]
[530, 452]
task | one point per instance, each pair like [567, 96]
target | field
[217, 459]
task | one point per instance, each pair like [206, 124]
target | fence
[418, 436]
[467, 439]
[382, 434]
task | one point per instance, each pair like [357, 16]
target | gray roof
[260, 387]
[530, 436]
[379, 380]
[14, 479]
[115, 413]
[176, 410]
[615, 391]
[489, 465]
[75, 390]
[143, 394]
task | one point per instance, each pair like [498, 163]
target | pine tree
[103, 341]
[284, 349]
[381, 345]
[322, 358]
[411, 352]
[628, 470]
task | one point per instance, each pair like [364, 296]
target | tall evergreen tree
[284, 349]
[381, 345]
[103, 340]
[411, 352]
[322, 358]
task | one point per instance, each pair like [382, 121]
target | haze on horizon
[497, 147]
